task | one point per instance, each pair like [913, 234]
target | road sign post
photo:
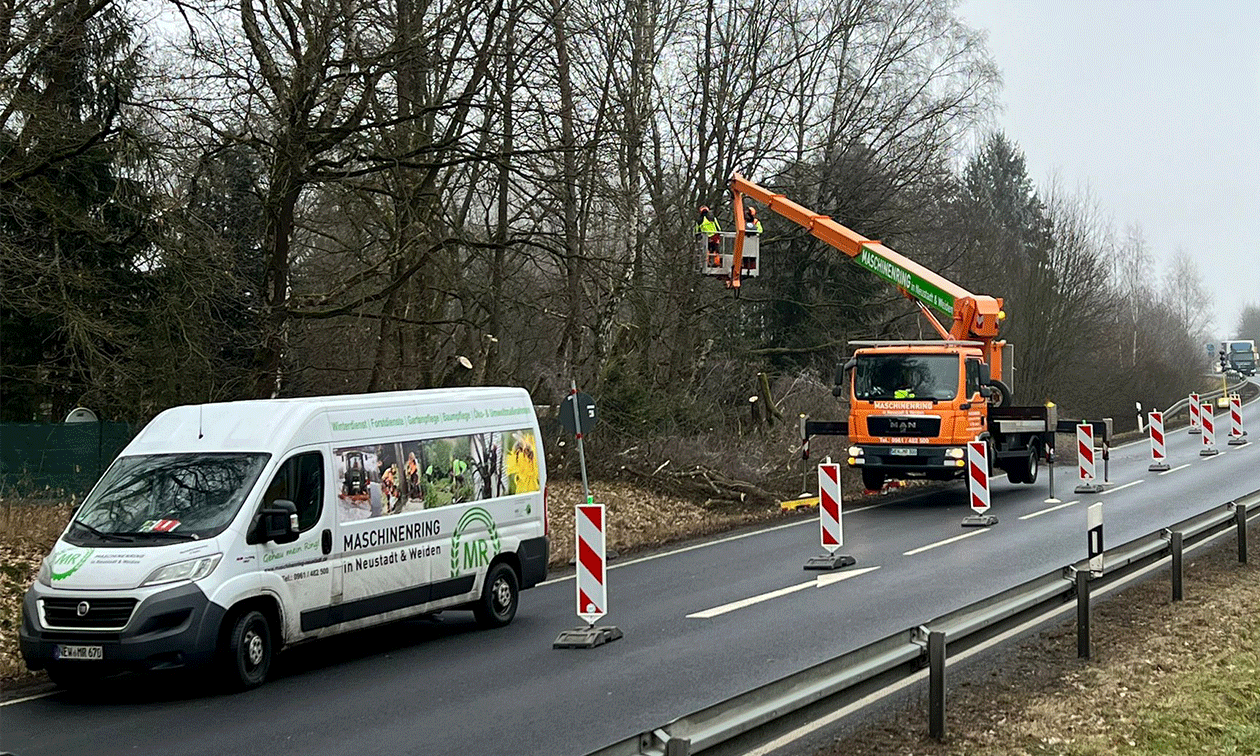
[1085, 459]
[1094, 537]
[1209, 431]
[1159, 456]
[577, 416]
[978, 485]
[591, 587]
[830, 522]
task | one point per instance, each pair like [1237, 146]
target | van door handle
[326, 541]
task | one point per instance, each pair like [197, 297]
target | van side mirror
[278, 522]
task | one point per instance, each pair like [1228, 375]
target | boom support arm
[975, 317]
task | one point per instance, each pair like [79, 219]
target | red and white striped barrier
[978, 475]
[1085, 459]
[1236, 431]
[1159, 456]
[592, 591]
[830, 520]
[1209, 431]
[829, 516]
[978, 485]
[1195, 425]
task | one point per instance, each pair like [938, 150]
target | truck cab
[1241, 356]
[913, 407]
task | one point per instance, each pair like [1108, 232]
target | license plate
[902, 451]
[88, 653]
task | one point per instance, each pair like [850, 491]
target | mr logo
[68, 562]
[477, 548]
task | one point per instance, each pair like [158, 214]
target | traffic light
[1224, 362]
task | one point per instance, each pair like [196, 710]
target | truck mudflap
[533, 553]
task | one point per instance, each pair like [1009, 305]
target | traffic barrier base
[979, 521]
[1237, 440]
[587, 637]
[1159, 467]
[1088, 488]
[830, 562]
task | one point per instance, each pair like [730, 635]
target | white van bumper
[176, 627]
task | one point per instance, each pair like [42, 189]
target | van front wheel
[249, 650]
[499, 597]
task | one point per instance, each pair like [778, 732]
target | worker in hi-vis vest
[708, 226]
[751, 223]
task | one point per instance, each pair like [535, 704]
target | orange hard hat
[704, 209]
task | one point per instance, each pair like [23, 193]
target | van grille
[900, 425]
[101, 614]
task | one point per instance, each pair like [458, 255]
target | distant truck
[1239, 355]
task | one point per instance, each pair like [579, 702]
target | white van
[224, 532]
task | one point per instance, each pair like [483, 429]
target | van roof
[262, 425]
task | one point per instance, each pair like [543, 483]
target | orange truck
[914, 405]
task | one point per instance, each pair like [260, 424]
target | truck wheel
[1001, 396]
[248, 651]
[1033, 464]
[499, 597]
[872, 479]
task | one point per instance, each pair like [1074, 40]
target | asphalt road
[443, 687]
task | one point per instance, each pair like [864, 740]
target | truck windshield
[906, 376]
[1241, 347]
[167, 496]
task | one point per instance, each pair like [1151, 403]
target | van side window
[300, 480]
[973, 378]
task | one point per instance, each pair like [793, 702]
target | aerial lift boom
[975, 317]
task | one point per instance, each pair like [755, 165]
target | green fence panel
[57, 457]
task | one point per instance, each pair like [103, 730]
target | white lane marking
[946, 542]
[1121, 488]
[28, 698]
[820, 582]
[1175, 469]
[817, 724]
[1040, 512]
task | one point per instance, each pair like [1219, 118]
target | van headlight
[193, 569]
[44, 576]
[855, 451]
[954, 453]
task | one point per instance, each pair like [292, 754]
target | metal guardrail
[1181, 404]
[907, 651]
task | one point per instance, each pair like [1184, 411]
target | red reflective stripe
[588, 606]
[594, 563]
[978, 474]
[595, 515]
[829, 506]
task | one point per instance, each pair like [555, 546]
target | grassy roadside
[1166, 679]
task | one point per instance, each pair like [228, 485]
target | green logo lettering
[69, 561]
[477, 551]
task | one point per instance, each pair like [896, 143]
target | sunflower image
[522, 464]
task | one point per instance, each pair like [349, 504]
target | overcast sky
[1155, 108]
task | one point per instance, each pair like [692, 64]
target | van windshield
[162, 497]
[906, 376]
